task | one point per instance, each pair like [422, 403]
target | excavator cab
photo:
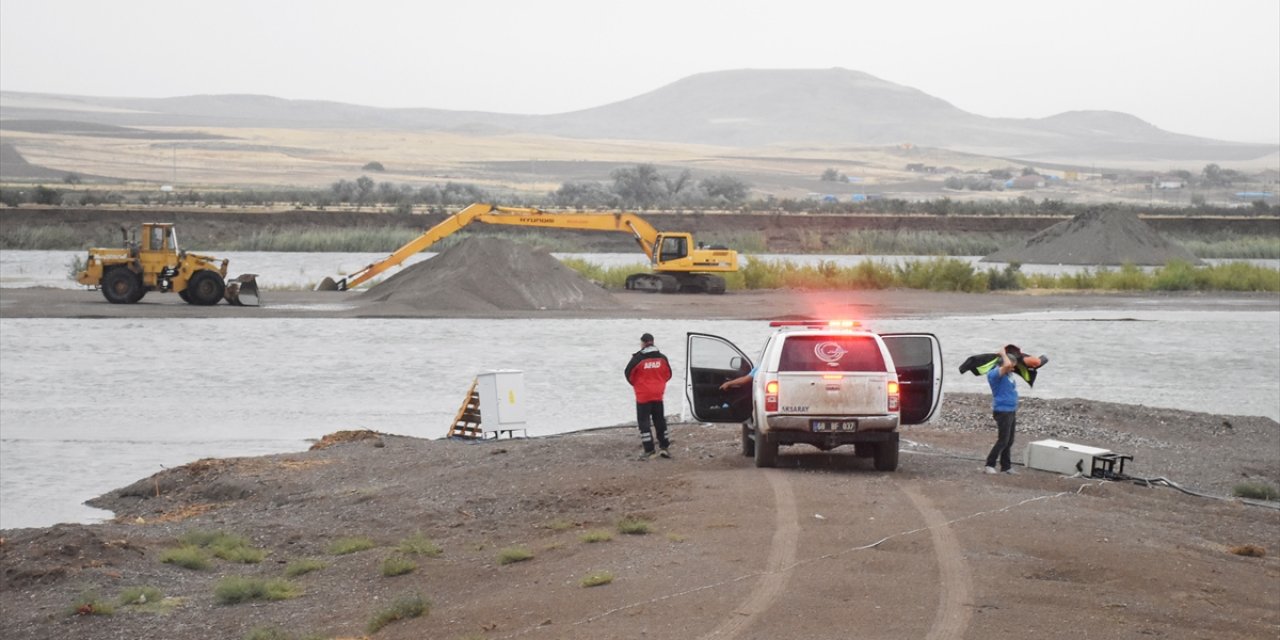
[671, 247]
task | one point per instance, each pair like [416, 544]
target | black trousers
[1005, 422]
[647, 412]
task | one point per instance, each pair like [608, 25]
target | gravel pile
[1096, 237]
[483, 274]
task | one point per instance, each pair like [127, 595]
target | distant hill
[744, 108]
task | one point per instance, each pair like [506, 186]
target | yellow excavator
[679, 266]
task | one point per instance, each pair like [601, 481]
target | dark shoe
[663, 453]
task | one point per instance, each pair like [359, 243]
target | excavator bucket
[328, 284]
[243, 291]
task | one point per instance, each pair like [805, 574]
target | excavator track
[653, 283]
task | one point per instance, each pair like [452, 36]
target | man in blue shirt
[1004, 408]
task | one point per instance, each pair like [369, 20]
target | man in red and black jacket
[648, 372]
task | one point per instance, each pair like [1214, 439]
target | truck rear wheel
[766, 449]
[205, 288]
[887, 456]
[121, 286]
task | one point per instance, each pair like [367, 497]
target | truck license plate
[834, 425]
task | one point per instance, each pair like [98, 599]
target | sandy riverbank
[743, 305]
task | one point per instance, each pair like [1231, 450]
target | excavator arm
[644, 233]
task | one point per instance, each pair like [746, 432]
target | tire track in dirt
[782, 554]
[954, 581]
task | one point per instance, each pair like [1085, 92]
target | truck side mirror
[738, 364]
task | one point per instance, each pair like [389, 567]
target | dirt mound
[339, 437]
[35, 556]
[491, 274]
[1096, 237]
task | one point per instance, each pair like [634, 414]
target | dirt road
[822, 547]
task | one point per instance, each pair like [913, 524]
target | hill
[743, 108]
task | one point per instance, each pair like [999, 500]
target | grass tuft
[1255, 491]
[397, 566]
[597, 579]
[229, 547]
[187, 557]
[598, 535]
[634, 526]
[237, 589]
[140, 595]
[675, 537]
[560, 524]
[419, 545]
[88, 604]
[407, 606]
[303, 567]
[343, 546]
[511, 555]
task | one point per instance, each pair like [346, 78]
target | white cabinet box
[501, 399]
[1062, 457]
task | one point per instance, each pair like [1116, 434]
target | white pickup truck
[824, 384]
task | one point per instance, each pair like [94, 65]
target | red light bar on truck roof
[834, 324]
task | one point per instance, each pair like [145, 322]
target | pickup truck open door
[709, 362]
[918, 359]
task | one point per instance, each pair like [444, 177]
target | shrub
[303, 567]
[140, 595]
[397, 566]
[187, 557]
[407, 606]
[419, 545]
[237, 589]
[343, 546]
[512, 555]
[1255, 491]
[597, 579]
[88, 604]
[633, 526]
[598, 535]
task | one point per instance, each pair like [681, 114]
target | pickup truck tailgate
[826, 394]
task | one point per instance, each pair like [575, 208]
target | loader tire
[185, 298]
[205, 288]
[121, 286]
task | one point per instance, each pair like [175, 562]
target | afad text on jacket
[648, 372]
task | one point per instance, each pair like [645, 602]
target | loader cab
[159, 237]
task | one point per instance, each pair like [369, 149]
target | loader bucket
[243, 291]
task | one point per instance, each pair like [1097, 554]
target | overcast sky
[1196, 67]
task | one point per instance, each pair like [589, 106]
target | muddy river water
[89, 405]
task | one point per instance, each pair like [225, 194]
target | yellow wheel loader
[154, 263]
[679, 265]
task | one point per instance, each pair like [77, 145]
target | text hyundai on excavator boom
[678, 264]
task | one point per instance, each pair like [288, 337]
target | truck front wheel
[121, 286]
[205, 288]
